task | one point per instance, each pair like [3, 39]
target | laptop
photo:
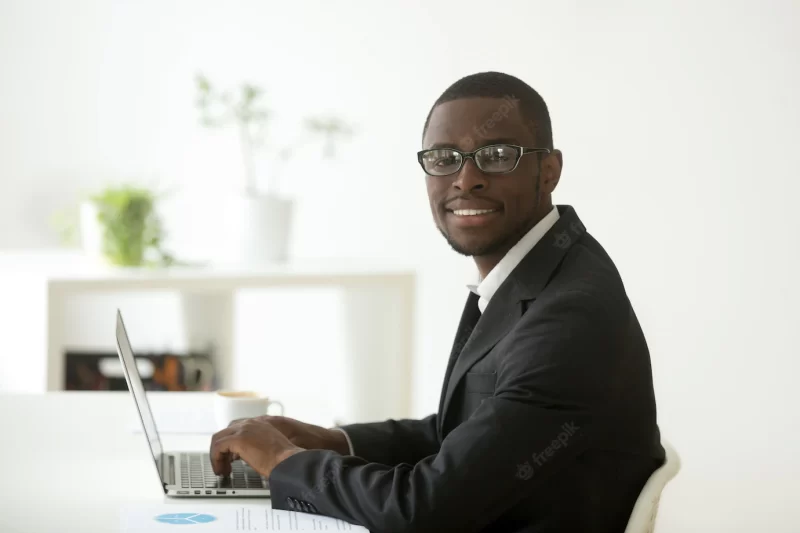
[184, 474]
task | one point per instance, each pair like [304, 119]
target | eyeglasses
[492, 159]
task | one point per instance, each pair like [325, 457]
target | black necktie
[469, 319]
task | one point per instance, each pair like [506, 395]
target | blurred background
[207, 127]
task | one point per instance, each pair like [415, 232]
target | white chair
[643, 516]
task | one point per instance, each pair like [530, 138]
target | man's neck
[486, 263]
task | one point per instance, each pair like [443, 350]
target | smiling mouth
[471, 212]
[471, 219]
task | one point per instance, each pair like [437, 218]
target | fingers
[222, 451]
[234, 423]
[233, 426]
[223, 448]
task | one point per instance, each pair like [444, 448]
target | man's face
[513, 199]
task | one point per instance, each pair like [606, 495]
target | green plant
[245, 109]
[132, 229]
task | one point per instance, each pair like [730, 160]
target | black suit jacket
[547, 419]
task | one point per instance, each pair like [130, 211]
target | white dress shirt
[347, 438]
[489, 285]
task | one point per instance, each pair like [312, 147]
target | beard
[497, 245]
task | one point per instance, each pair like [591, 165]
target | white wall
[678, 122]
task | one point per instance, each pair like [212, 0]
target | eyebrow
[485, 142]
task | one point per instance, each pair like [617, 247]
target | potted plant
[258, 217]
[120, 224]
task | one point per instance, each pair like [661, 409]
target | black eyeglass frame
[471, 155]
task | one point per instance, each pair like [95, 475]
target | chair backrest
[643, 516]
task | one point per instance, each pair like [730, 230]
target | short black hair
[500, 85]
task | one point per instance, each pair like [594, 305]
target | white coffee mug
[232, 405]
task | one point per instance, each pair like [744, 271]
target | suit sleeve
[394, 441]
[536, 424]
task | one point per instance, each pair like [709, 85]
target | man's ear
[551, 170]
[560, 158]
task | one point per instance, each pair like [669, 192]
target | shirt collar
[489, 285]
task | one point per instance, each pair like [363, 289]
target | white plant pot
[256, 230]
[91, 231]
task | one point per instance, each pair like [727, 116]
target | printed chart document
[224, 519]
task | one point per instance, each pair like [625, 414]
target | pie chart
[185, 519]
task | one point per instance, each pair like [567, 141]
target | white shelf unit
[377, 308]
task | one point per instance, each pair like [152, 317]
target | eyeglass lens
[490, 159]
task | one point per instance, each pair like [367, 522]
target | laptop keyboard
[196, 473]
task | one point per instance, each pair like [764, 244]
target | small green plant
[132, 230]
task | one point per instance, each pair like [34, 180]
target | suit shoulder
[587, 269]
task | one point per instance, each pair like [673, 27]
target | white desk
[73, 462]
[39, 290]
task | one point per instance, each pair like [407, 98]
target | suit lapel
[505, 308]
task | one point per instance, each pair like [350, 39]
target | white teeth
[471, 212]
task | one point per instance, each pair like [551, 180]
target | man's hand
[256, 441]
[308, 436]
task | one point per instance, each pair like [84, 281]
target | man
[547, 418]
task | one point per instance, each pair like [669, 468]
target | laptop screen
[137, 390]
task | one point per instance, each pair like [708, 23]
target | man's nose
[470, 178]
